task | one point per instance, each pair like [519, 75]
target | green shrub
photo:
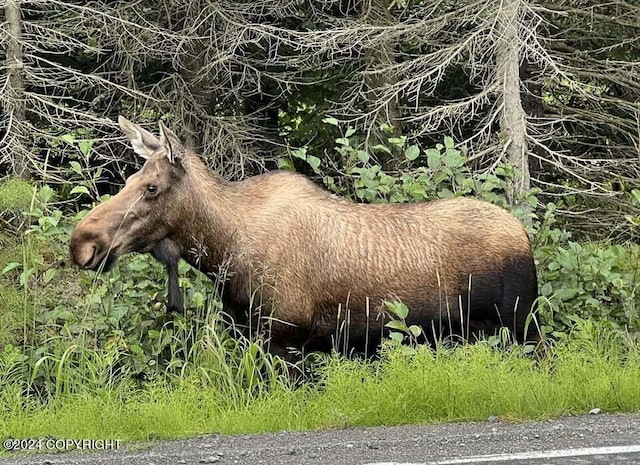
[15, 198]
[591, 281]
[15, 195]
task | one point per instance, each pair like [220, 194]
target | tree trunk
[15, 98]
[513, 118]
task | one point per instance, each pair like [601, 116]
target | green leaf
[412, 152]
[387, 180]
[397, 325]
[25, 275]
[381, 148]
[440, 177]
[300, 153]
[350, 132]
[197, 299]
[553, 266]
[64, 315]
[46, 193]
[565, 294]
[398, 337]
[85, 147]
[49, 275]
[75, 166]
[445, 193]
[79, 190]
[342, 141]
[331, 120]
[314, 162]
[11, 266]
[418, 192]
[546, 289]
[285, 164]
[408, 351]
[415, 330]
[362, 156]
[398, 141]
[448, 142]
[402, 310]
[398, 308]
[68, 138]
[138, 265]
[452, 158]
[433, 158]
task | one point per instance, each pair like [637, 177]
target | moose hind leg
[520, 290]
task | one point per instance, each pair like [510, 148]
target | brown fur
[307, 252]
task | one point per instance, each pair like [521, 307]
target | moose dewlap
[300, 257]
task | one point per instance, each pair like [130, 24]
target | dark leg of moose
[520, 290]
[499, 298]
[168, 253]
[286, 340]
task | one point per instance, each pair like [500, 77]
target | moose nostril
[83, 253]
[93, 254]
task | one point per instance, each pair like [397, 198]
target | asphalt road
[591, 439]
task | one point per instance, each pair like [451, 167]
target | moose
[461, 265]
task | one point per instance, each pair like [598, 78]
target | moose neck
[211, 222]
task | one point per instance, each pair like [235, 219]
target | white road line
[547, 454]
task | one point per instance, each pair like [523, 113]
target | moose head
[146, 211]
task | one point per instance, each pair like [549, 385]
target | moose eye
[152, 188]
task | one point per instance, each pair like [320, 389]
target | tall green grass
[594, 367]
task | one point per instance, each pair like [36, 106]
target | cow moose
[456, 263]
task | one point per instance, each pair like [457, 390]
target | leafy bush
[592, 280]
[433, 173]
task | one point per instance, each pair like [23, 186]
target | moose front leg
[167, 252]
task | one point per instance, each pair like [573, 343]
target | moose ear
[176, 153]
[142, 141]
